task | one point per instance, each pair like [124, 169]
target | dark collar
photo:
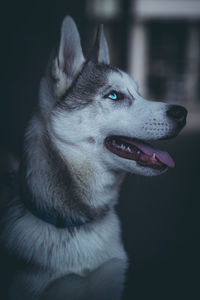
[48, 215]
[52, 217]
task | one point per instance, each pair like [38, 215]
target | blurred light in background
[167, 9]
[103, 9]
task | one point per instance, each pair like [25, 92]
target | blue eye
[113, 96]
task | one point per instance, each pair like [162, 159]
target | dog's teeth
[154, 156]
[138, 152]
[129, 150]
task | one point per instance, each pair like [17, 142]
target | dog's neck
[51, 185]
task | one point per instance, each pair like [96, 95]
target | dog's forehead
[96, 76]
[122, 81]
[97, 79]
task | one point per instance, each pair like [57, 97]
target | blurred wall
[164, 52]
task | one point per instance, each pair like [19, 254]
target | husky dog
[91, 127]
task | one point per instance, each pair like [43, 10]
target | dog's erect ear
[70, 57]
[100, 51]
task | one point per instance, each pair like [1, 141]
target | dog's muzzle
[145, 154]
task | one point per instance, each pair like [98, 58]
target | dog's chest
[61, 251]
[85, 249]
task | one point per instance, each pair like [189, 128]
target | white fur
[94, 253]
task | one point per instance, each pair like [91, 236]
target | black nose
[177, 113]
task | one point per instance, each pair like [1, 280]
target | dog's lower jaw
[125, 166]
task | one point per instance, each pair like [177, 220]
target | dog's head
[96, 113]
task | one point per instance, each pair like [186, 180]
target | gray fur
[70, 55]
[67, 168]
[51, 170]
[89, 82]
[100, 52]
[70, 59]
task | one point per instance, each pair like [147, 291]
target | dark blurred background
[158, 43]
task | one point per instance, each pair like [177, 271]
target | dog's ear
[100, 51]
[69, 59]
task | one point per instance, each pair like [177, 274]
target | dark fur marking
[64, 189]
[68, 188]
[92, 78]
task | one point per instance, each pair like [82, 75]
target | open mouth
[139, 151]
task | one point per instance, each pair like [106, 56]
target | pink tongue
[163, 156]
